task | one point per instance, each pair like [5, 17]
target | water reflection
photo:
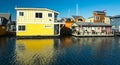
[60, 51]
[7, 51]
[34, 52]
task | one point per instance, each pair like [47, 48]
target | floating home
[5, 20]
[66, 30]
[99, 17]
[115, 22]
[91, 29]
[37, 22]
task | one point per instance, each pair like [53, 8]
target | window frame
[21, 28]
[98, 17]
[21, 13]
[38, 15]
[50, 15]
[80, 20]
[95, 18]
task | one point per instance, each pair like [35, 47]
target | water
[63, 51]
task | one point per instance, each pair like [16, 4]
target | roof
[108, 16]
[90, 17]
[5, 15]
[105, 16]
[117, 16]
[75, 17]
[99, 12]
[91, 24]
[42, 9]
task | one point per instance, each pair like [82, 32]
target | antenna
[76, 9]
[68, 13]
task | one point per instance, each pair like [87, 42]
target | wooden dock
[38, 37]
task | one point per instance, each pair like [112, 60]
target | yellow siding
[35, 26]
[29, 16]
[91, 20]
[36, 30]
[107, 20]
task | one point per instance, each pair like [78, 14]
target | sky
[66, 8]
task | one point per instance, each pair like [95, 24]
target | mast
[76, 9]
[68, 13]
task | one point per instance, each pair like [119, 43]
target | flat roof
[92, 24]
[99, 12]
[42, 9]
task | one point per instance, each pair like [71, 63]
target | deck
[93, 35]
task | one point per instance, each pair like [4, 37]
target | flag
[104, 11]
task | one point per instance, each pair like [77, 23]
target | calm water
[63, 51]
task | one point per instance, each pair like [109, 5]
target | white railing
[92, 34]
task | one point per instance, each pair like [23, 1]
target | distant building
[78, 18]
[115, 22]
[91, 19]
[67, 30]
[13, 26]
[5, 20]
[70, 21]
[37, 22]
[106, 20]
[99, 17]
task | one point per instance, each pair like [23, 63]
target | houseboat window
[103, 21]
[55, 16]
[79, 20]
[38, 15]
[68, 20]
[49, 14]
[21, 13]
[21, 28]
[95, 17]
[98, 17]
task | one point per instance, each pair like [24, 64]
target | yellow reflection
[34, 51]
